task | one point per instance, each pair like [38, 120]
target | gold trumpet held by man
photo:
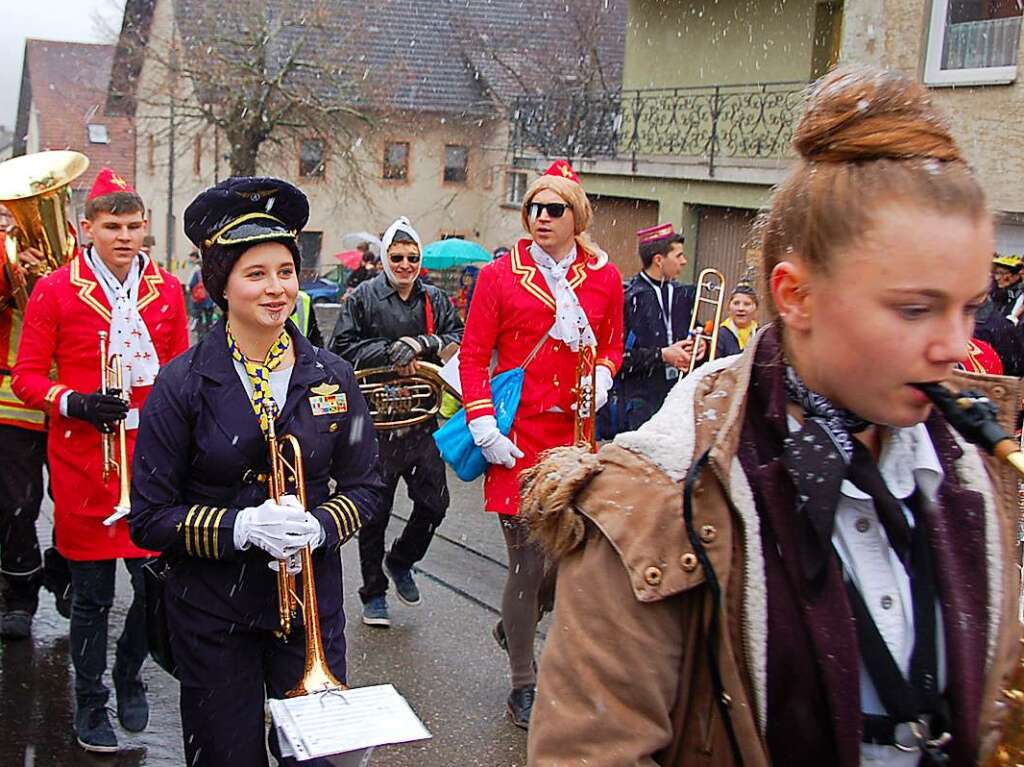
[287, 477]
[115, 443]
[35, 189]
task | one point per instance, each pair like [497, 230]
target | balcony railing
[706, 125]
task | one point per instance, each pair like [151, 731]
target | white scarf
[400, 223]
[571, 323]
[129, 336]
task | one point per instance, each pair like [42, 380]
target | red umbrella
[350, 259]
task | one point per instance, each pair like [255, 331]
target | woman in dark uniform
[200, 475]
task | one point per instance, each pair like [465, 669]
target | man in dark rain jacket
[657, 319]
[394, 320]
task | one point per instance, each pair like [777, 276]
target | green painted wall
[678, 200]
[673, 43]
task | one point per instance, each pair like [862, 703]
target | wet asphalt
[439, 655]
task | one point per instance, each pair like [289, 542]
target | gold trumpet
[288, 478]
[397, 401]
[585, 423]
[710, 290]
[115, 443]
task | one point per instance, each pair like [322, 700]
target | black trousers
[414, 458]
[92, 598]
[21, 493]
[227, 670]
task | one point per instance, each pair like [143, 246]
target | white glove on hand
[292, 502]
[604, 385]
[496, 447]
[278, 529]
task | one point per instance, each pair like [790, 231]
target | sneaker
[405, 586]
[375, 613]
[16, 624]
[520, 704]
[132, 706]
[93, 730]
[498, 632]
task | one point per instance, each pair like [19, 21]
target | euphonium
[288, 478]
[115, 443]
[710, 290]
[397, 401]
[35, 189]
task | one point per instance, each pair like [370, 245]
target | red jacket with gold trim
[13, 412]
[64, 316]
[512, 309]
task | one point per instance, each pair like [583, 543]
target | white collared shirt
[279, 380]
[908, 460]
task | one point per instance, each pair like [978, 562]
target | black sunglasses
[554, 209]
[397, 258]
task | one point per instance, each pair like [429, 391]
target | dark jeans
[92, 596]
[227, 670]
[414, 458]
[21, 493]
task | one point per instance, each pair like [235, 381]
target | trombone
[288, 478]
[710, 290]
[115, 443]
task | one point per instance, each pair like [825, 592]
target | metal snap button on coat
[863, 524]
[652, 576]
[688, 561]
[708, 533]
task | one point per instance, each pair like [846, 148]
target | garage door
[725, 242]
[616, 220]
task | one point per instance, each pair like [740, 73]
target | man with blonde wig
[554, 294]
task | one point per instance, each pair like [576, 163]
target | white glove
[604, 385]
[292, 502]
[278, 529]
[496, 447]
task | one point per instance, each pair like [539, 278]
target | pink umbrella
[350, 259]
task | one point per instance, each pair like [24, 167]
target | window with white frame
[973, 42]
[515, 187]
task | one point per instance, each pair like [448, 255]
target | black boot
[132, 706]
[93, 730]
[520, 704]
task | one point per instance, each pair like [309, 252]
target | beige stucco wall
[985, 120]
[672, 43]
[336, 207]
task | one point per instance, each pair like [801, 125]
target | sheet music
[343, 721]
[449, 373]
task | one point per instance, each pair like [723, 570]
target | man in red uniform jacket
[115, 288]
[539, 306]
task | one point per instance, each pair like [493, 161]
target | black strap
[918, 698]
[721, 697]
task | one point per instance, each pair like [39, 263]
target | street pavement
[439, 655]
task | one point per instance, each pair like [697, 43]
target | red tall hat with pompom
[108, 182]
[562, 169]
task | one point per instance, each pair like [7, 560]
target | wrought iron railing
[702, 124]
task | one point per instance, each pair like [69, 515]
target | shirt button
[863, 524]
[887, 602]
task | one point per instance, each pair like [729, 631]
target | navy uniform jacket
[643, 379]
[201, 457]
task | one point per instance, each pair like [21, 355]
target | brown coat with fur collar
[624, 680]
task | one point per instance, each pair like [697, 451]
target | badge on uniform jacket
[325, 400]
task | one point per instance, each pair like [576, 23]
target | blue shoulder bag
[454, 441]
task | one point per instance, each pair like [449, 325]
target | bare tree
[268, 76]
